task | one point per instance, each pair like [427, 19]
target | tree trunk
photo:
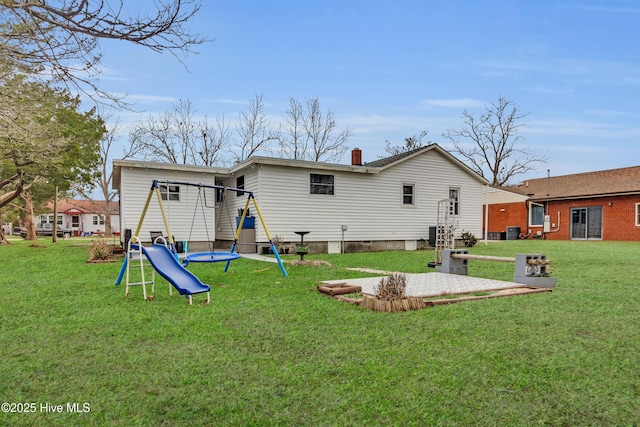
[28, 207]
[3, 239]
[107, 219]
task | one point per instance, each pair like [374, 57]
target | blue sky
[389, 70]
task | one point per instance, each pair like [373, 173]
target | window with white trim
[536, 215]
[169, 192]
[59, 220]
[638, 214]
[321, 184]
[408, 191]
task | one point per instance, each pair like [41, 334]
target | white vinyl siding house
[369, 201]
[134, 180]
[390, 203]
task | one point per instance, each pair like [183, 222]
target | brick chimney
[356, 157]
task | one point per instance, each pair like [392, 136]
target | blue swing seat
[210, 257]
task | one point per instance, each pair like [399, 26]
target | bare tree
[292, 141]
[494, 151]
[254, 130]
[216, 139]
[169, 137]
[312, 134]
[410, 143]
[63, 36]
[105, 178]
[177, 136]
[326, 142]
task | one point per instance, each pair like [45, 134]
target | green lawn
[271, 350]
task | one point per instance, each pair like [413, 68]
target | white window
[95, 220]
[454, 195]
[408, 194]
[321, 184]
[43, 219]
[536, 215]
[59, 220]
[638, 214]
[169, 192]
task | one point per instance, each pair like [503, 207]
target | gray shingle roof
[388, 160]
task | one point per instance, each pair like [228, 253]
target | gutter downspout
[486, 216]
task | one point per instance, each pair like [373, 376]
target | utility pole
[54, 237]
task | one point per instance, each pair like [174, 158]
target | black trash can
[127, 237]
[180, 247]
[513, 233]
[432, 237]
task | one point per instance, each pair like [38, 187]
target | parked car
[47, 230]
[17, 231]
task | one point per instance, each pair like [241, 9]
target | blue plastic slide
[166, 264]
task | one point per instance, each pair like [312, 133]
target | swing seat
[210, 257]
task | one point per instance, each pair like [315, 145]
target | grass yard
[271, 350]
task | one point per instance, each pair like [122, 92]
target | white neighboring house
[389, 203]
[82, 216]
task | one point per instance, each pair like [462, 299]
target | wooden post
[483, 257]
[54, 237]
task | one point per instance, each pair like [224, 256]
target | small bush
[391, 287]
[100, 249]
[468, 239]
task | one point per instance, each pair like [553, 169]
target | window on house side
[638, 214]
[454, 194]
[240, 185]
[59, 220]
[321, 184]
[537, 215]
[407, 194]
[169, 192]
[95, 220]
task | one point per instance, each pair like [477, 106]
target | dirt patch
[100, 261]
[313, 263]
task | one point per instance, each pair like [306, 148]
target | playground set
[164, 258]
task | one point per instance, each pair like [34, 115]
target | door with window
[586, 223]
[75, 221]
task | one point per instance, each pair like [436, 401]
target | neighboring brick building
[601, 205]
